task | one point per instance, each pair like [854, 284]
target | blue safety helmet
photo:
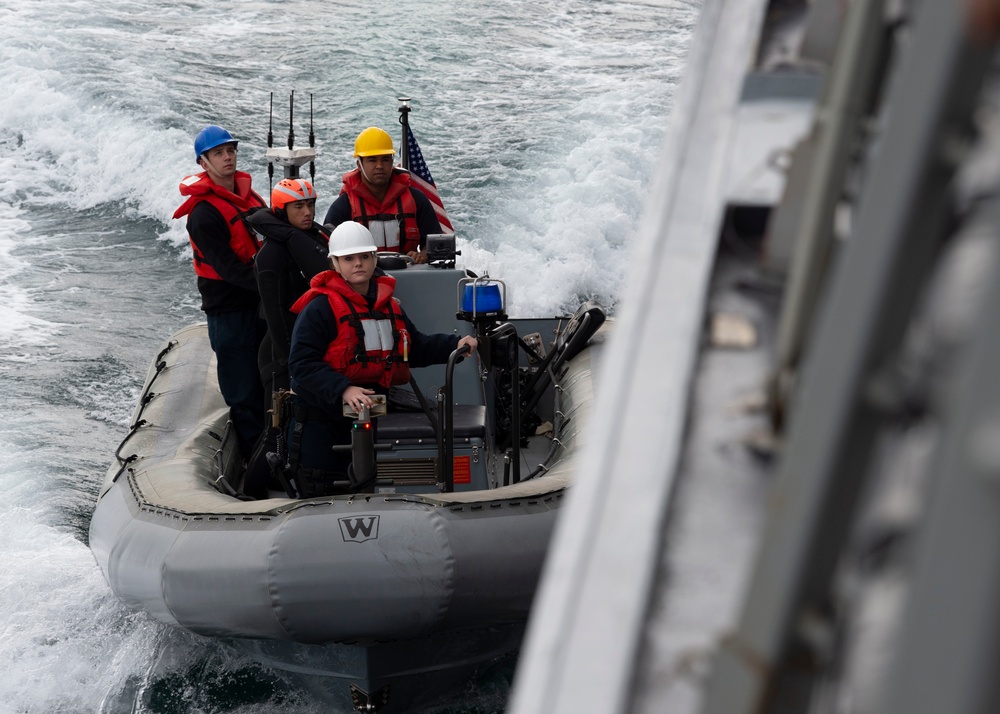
[210, 137]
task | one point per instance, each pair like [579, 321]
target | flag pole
[404, 120]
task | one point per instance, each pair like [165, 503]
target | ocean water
[541, 121]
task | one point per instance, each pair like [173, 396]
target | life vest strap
[356, 320]
[243, 217]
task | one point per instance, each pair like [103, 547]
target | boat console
[453, 428]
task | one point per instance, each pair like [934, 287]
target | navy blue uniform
[318, 387]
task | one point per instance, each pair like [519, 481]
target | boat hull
[402, 675]
[368, 587]
[363, 568]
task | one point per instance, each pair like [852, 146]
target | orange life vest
[398, 205]
[372, 345]
[234, 208]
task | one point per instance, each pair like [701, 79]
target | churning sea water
[540, 119]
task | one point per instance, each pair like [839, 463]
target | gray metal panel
[810, 231]
[766, 128]
[587, 624]
[423, 290]
[823, 27]
[901, 219]
[948, 652]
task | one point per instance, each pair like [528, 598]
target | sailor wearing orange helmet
[293, 251]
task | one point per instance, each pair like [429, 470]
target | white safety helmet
[349, 238]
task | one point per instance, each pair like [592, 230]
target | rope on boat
[145, 398]
[124, 464]
[163, 352]
[134, 428]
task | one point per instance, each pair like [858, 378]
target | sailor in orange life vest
[380, 197]
[351, 339]
[219, 201]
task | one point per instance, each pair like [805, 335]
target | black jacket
[285, 264]
[238, 289]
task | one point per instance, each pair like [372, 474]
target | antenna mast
[290, 158]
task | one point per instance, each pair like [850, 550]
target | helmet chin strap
[210, 165]
[362, 169]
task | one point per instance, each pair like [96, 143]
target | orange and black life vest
[398, 205]
[372, 344]
[234, 208]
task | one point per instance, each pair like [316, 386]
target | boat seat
[470, 423]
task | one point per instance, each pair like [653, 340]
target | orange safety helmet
[289, 191]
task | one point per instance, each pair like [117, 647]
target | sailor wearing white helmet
[346, 347]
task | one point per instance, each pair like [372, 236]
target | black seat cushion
[470, 422]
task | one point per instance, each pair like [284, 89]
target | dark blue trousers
[315, 444]
[235, 338]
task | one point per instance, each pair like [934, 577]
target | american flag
[420, 177]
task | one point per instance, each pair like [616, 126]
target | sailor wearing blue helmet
[209, 138]
[219, 200]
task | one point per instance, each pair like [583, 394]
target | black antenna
[291, 159]
[312, 140]
[270, 140]
[270, 123]
[291, 111]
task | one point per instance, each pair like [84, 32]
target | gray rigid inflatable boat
[398, 594]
